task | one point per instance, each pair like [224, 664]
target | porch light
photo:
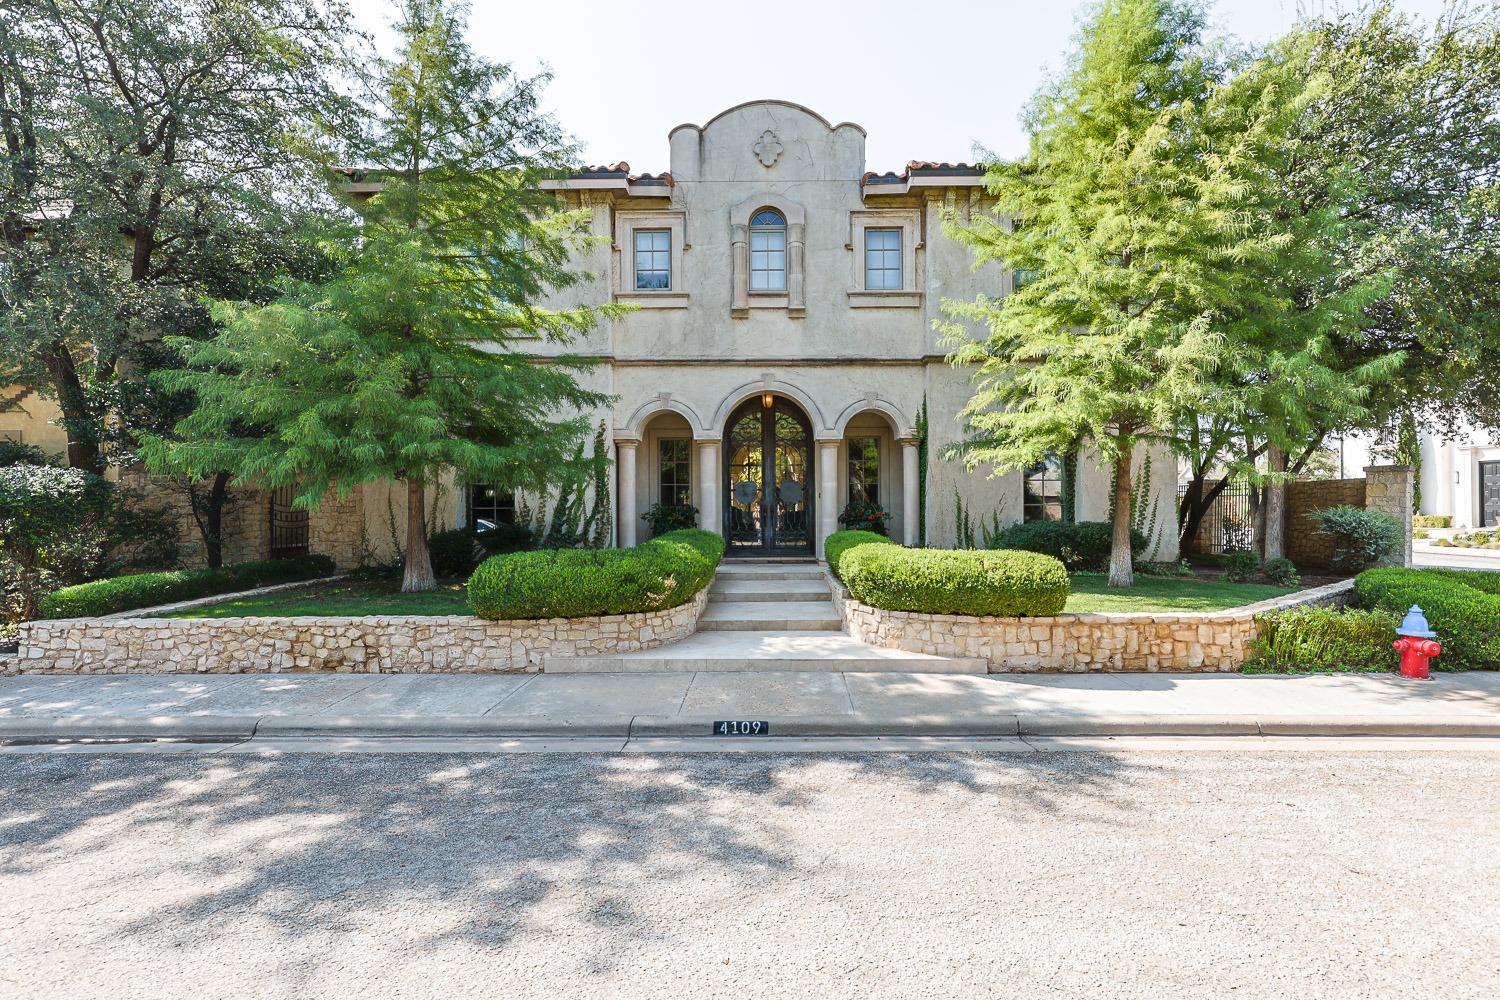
[768, 400]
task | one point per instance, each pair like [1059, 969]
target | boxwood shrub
[840, 542]
[955, 582]
[1325, 639]
[1081, 545]
[144, 590]
[575, 583]
[1462, 606]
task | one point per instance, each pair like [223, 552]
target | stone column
[739, 238]
[709, 473]
[796, 284]
[1388, 488]
[828, 491]
[910, 480]
[625, 490]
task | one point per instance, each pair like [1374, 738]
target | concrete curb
[853, 724]
[701, 726]
[441, 726]
[103, 727]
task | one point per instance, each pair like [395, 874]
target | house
[781, 357]
[783, 349]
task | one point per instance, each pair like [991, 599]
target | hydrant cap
[1415, 625]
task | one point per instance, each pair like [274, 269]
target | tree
[1121, 224]
[135, 136]
[403, 364]
[1390, 300]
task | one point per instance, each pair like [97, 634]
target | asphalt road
[1136, 874]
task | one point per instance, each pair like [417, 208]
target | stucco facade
[850, 362]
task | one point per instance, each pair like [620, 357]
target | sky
[927, 79]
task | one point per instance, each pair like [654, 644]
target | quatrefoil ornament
[768, 148]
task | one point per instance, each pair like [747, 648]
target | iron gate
[1227, 525]
[288, 525]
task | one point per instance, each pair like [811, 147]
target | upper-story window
[653, 260]
[883, 259]
[768, 251]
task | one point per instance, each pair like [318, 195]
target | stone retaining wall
[385, 644]
[1199, 641]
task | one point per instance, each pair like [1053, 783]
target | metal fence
[1227, 525]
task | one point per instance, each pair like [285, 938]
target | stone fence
[378, 644]
[1147, 641]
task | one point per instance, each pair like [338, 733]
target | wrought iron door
[769, 480]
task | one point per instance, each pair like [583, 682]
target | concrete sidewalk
[788, 704]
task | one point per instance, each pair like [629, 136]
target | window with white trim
[768, 251]
[882, 260]
[653, 260]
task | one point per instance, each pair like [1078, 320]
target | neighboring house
[1460, 477]
[783, 349]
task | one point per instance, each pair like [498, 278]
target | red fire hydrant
[1415, 643]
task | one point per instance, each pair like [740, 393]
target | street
[1167, 873]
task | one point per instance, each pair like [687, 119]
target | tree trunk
[1275, 547]
[67, 389]
[213, 535]
[1121, 573]
[418, 573]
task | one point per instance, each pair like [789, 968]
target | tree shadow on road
[481, 849]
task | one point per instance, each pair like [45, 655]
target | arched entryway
[768, 479]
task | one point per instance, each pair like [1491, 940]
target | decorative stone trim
[1146, 641]
[379, 644]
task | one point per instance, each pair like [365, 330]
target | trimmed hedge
[1462, 606]
[576, 583]
[1327, 639]
[840, 542]
[145, 590]
[1080, 545]
[1007, 584]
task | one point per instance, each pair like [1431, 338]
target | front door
[769, 479]
[1489, 494]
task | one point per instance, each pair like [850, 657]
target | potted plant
[864, 515]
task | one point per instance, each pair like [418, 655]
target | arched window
[768, 251]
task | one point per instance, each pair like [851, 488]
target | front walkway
[793, 704]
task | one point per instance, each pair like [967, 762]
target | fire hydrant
[1415, 643]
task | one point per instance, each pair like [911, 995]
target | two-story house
[784, 345]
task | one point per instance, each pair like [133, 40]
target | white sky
[927, 80]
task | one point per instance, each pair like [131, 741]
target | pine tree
[1115, 215]
[403, 364]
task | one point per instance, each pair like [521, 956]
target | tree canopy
[405, 363]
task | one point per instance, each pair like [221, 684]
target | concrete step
[796, 650]
[729, 570]
[737, 589]
[770, 616]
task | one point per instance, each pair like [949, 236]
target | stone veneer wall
[1202, 641]
[384, 644]
[1304, 545]
[334, 529]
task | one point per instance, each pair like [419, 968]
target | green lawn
[1152, 593]
[374, 597]
[385, 598]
